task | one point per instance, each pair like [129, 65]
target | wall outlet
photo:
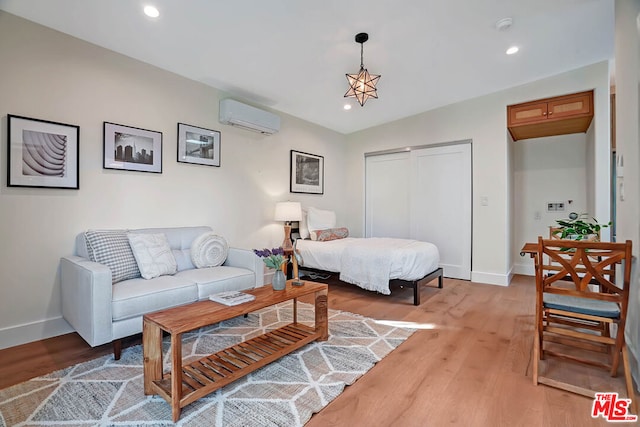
[537, 215]
[555, 206]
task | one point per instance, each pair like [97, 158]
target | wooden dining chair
[578, 300]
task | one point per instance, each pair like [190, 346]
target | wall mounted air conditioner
[245, 116]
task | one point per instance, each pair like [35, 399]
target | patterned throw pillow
[153, 254]
[332, 234]
[209, 250]
[111, 248]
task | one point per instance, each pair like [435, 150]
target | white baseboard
[524, 269]
[35, 331]
[491, 278]
[634, 364]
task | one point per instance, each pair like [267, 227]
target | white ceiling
[292, 55]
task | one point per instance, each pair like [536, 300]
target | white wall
[590, 162]
[483, 120]
[627, 54]
[551, 169]
[48, 75]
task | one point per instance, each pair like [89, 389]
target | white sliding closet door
[441, 204]
[387, 195]
[423, 194]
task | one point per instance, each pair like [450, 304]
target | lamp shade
[288, 211]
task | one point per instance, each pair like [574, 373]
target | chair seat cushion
[582, 305]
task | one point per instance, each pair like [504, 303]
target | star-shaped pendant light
[362, 86]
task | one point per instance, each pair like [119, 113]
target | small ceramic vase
[279, 281]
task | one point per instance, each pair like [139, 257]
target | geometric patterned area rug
[287, 392]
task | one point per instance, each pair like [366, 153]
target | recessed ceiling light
[151, 11]
[347, 106]
[512, 50]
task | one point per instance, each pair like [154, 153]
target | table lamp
[288, 212]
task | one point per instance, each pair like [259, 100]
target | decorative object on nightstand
[274, 259]
[288, 212]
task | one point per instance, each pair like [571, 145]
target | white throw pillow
[318, 219]
[209, 250]
[153, 254]
[303, 228]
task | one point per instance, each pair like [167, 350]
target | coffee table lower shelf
[212, 372]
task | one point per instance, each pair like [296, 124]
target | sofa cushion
[212, 280]
[180, 239]
[111, 248]
[153, 254]
[209, 250]
[135, 297]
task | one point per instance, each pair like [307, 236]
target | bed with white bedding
[374, 263]
[370, 263]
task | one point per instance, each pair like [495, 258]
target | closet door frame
[410, 164]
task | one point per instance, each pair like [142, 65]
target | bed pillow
[153, 254]
[318, 219]
[332, 234]
[303, 227]
[111, 248]
[209, 250]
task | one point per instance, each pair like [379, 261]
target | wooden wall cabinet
[551, 116]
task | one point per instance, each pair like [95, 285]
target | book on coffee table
[231, 297]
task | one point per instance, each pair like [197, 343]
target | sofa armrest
[86, 298]
[246, 259]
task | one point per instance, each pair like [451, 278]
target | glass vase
[279, 281]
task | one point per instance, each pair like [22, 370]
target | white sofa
[102, 311]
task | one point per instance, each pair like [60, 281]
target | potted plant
[578, 227]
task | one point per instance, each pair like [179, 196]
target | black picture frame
[306, 173]
[42, 153]
[132, 149]
[198, 145]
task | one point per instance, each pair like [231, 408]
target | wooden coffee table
[191, 381]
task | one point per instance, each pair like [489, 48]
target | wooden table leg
[322, 319]
[151, 355]
[176, 375]
[295, 310]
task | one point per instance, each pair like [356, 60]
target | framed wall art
[42, 153]
[132, 149]
[198, 145]
[306, 173]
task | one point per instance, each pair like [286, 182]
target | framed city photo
[198, 145]
[132, 149]
[307, 173]
[42, 154]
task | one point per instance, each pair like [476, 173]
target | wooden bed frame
[415, 284]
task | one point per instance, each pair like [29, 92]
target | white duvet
[371, 262]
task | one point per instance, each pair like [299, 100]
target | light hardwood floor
[469, 363]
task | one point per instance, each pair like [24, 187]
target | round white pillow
[209, 250]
